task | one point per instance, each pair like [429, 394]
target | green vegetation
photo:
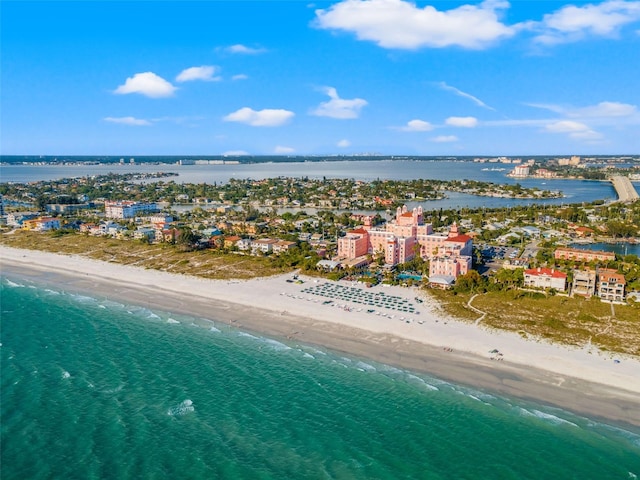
[165, 257]
[252, 210]
[573, 321]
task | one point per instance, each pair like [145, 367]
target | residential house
[144, 232]
[16, 219]
[611, 285]
[41, 224]
[584, 283]
[545, 278]
[264, 245]
[231, 241]
[283, 246]
[243, 244]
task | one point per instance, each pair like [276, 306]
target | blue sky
[301, 78]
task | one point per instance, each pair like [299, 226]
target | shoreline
[577, 380]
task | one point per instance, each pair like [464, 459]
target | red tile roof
[549, 272]
[459, 239]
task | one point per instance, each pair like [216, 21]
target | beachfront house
[42, 224]
[16, 219]
[264, 245]
[145, 233]
[283, 246]
[584, 283]
[611, 285]
[231, 241]
[545, 278]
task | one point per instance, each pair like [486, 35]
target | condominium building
[127, 209]
[580, 255]
[520, 171]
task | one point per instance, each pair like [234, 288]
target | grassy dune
[572, 321]
[165, 257]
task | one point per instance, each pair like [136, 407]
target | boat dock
[625, 189]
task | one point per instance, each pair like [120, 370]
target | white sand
[287, 299]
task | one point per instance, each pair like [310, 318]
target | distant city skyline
[351, 77]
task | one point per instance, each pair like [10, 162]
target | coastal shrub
[555, 323]
[585, 317]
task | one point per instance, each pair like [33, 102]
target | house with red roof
[545, 278]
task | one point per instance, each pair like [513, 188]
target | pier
[624, 188]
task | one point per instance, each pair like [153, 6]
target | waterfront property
[584, 283]
[611, 285]
[127, 209]
[406, 236]
[564, 253]
[545, 278]
[41, 224]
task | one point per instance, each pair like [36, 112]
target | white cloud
[417, 126]
[148, 84]
[244, 50]
[403, 25]
[464, 122]
[282, 150]
[344, 143]
[606, 109]
[575, 130]
[572, 23]
[468, 96]
[204, 73]
[548, 106]
[260, 118]
[444, 139]
[601, 110]
[339, 107]
[235, 153]
[128, 121]
[240, 76]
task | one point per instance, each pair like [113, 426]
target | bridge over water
[624, 188]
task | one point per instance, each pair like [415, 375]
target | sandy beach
[386, 324]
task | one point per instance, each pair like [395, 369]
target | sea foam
[182, 408]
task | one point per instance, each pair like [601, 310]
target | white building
[127, 209]
[545, 278]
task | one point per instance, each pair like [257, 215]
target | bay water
[94, 388]
[574, 191]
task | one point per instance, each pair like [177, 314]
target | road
[624, 188]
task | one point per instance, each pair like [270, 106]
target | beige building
[583, 255]
[611, 285]
[584, 283]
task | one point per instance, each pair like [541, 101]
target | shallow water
[92, 388]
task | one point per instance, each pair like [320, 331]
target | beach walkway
[625, 189]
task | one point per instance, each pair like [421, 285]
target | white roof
[442, 279]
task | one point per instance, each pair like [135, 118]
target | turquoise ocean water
[92, 388]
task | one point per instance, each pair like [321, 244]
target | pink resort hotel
[400, 240]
